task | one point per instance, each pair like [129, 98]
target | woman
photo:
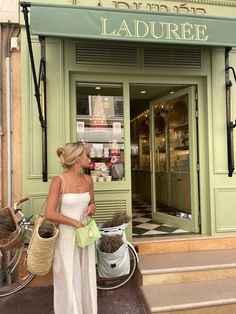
[74, 274]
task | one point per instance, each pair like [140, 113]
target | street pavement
[39, 300]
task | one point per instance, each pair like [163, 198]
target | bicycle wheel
[116, 282]
[13, 272]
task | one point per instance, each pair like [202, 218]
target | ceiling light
[142, 92]
[97, 87]
[172, 92]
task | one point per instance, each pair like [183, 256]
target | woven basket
[41, 247]
[10, 232]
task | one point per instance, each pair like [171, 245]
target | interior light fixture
[142, 92]
[97, 87]
[172, 92]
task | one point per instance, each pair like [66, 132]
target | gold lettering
[172, 28]
[124, 28]
[100, 4]
[183, 7]
[177, 8]
[153, 24]
[104, 28]
[145, 28]
[164, 8]
[137, 5]
[203, 11]
[120, 4]
[201, 32]
[155, 7]
[186, 31]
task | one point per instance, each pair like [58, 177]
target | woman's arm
[51, 212]
[91, 208]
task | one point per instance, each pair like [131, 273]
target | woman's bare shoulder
[56, 181]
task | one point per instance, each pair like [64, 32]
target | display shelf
[181, 148]
[180, 127]
[100, 158]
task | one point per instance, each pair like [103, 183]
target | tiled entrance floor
[144, 226]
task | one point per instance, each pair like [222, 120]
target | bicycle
[117, 282]
[14, 275]
[13, 272]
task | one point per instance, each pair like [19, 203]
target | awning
[143, 26]
[139, 26]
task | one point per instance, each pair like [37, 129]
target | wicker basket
[10, 232]
[41, 247]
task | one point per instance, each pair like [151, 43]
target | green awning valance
[143, 26]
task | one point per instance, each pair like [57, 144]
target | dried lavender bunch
[118, 219]
[7, 223]
[110, 244]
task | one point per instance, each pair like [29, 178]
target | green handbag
[87, 234]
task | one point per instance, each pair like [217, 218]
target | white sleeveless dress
[74, 274]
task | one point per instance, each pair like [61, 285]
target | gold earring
[78, 168]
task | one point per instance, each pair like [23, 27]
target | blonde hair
[69, 153]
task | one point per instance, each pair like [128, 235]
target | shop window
[100, 123]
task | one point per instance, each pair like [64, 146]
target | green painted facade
[217, 190]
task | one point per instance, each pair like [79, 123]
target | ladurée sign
[154, 30]
[143, 26]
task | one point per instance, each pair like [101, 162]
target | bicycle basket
[116, 264]
[113, 263]
[10, 232]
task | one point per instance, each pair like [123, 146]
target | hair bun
[60, 151]
[69, 154]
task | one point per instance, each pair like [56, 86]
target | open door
[174, 162]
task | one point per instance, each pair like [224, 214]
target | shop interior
[171, 158]
[100, 123]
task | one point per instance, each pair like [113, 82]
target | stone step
[213, 296]
[183, 244]
[190, 266]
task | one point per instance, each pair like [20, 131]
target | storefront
[144, 85]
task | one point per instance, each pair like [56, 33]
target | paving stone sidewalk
[39, 300]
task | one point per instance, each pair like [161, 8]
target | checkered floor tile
[144, 226]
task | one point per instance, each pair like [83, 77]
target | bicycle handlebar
[20, 202]
[23, 200]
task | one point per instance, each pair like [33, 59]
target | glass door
[174, 159]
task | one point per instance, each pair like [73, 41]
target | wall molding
[32, 113]
[220, 203]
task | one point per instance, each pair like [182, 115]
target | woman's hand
[79, 225]
[90, 211]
